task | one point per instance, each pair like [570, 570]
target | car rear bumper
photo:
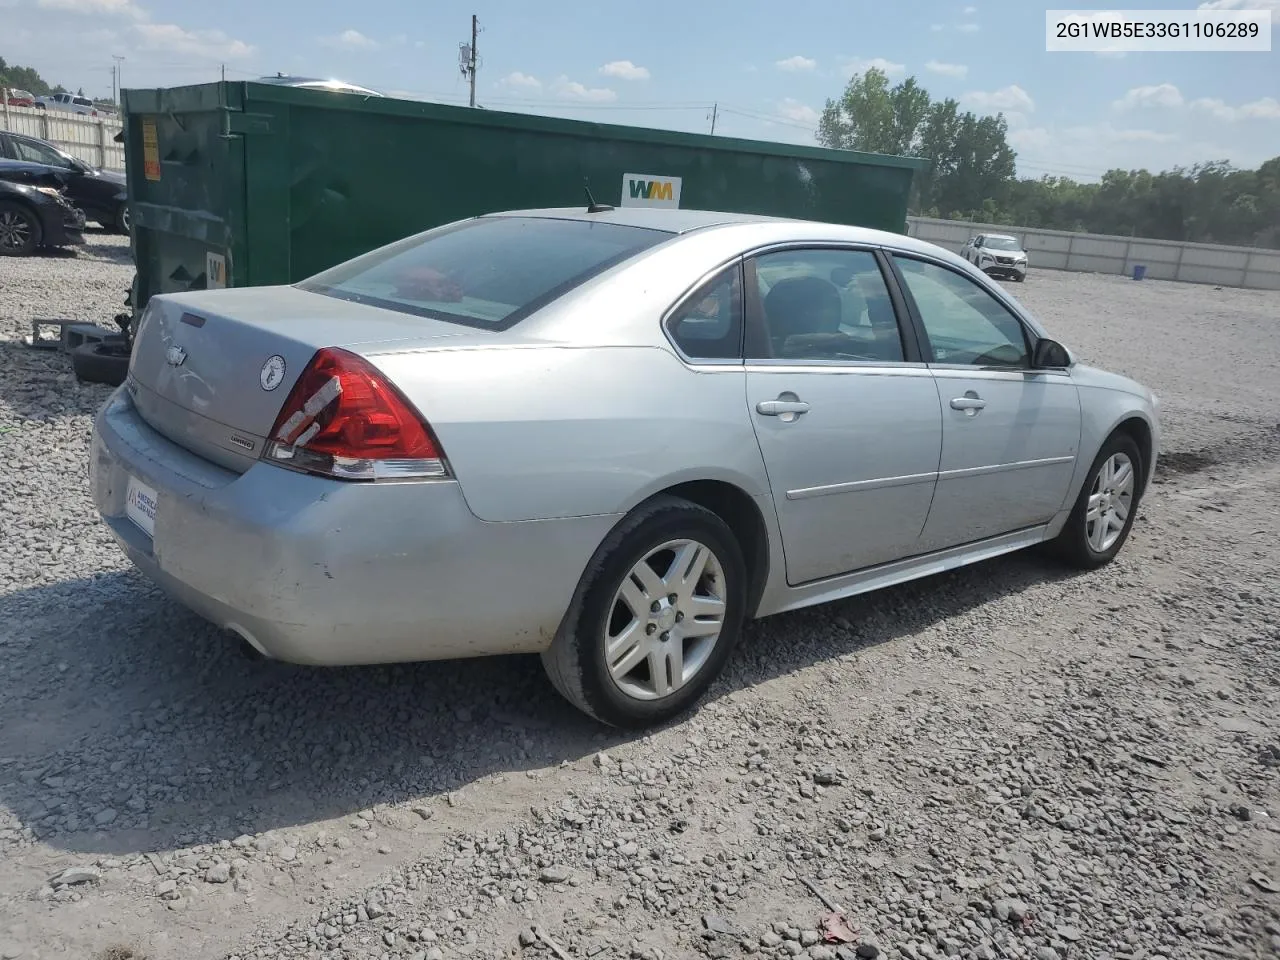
[321, 571]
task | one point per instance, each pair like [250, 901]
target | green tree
[971, 161]
[23, 78]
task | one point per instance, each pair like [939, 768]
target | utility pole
[467, 58]
[224, 73]
[117, 79]
[715, 109]
[474, 31]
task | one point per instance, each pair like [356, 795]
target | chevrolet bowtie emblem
[175, 355]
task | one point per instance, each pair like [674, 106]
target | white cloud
[207, 44]
[796, 64]
[947, 69]
[624, 70]
[968, 28]
[572, 90]
[970, 11]
[1157, 95]
[125, 8]
[351, 40]
[863, 64]
[520, 81]
[1268, 108]
[1010, 98]
[798, 112]
[1083, 152]
[1272, 5]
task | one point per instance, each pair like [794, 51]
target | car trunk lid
[211, 370]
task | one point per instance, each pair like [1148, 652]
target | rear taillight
[344, 419]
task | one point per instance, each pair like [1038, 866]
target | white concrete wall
[88, 138]
[1250, 267]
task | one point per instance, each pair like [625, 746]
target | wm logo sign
[650, 190]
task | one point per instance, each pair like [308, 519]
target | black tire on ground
[121, 224]
[575, 662]
[101, 362]
[20, 231]
[1072, 544]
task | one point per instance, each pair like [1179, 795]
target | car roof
[683, 221]
[670, 221]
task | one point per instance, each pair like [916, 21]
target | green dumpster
[246, 184]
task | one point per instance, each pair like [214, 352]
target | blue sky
[664, 63]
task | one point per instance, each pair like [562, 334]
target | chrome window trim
[868, 368]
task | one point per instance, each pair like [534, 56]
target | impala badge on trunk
[175, 355]
[272, 374]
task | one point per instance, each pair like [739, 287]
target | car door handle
[777, 408]
[968, 404]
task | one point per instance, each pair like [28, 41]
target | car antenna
[592, 206]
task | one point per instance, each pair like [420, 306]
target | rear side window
[708, 325]
[489, 272]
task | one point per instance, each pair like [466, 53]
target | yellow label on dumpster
[150, 149]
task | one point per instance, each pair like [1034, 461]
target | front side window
[38, 153]
[963, 323]
[708, 325]
[489, 272]
[825, 304]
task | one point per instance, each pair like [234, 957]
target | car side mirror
[1049, 354]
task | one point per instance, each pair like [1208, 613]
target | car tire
[631, 694]
[20, 232]
[1082, 543]
[122, 223]
[105, 361]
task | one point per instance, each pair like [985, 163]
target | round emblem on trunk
[272, 373]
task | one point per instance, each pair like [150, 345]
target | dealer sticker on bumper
[140, 506]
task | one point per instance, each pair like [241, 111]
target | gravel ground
[1006, 761]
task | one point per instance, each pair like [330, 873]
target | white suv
[997, 254]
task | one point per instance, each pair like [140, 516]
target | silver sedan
[607, 437]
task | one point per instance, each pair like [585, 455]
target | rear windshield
[489, 273]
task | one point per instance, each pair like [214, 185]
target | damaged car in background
[35, 211]
[100, 193]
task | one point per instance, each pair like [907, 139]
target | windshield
[1002, 243]
[489, 272]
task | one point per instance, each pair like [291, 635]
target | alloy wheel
[15, 230]
[1110, 500]
[665, 619]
